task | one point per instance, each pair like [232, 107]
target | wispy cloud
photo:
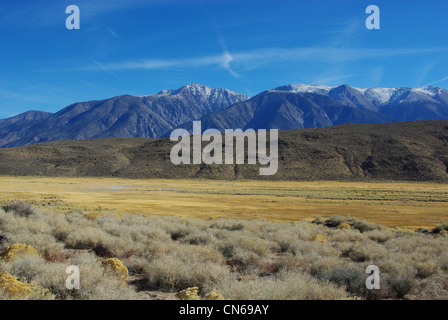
[438, 81]
[257, 58]
[227, 59]
[104, 68]
[377, 74]
[331, 79]
[113, 33]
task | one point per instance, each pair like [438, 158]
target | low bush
[20, 208]
[234, 259]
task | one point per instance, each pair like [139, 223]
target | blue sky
[140, 47]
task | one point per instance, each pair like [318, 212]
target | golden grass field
[393, 204]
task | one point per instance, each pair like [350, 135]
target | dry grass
[400, 204]
[240, 259]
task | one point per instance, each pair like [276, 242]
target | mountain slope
[412, 151]
[13, 128]
[299, 106]
[432, 102]
[285, 110]
[26, 116]
[122, 116]
[292, 106]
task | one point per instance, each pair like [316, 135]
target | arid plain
[393, 204]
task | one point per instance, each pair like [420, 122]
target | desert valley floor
[393, 204]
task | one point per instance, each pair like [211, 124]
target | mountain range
[312, 106]
[294, 106]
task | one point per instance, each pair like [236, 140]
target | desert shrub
[214, 295]
[283, 245]
[20, 208]
[226, 248]
[334, 221]
[174, 274]
[349, 277]
[43, 242]
[441, 227]
[136, 228]
[179, 232]
[3, 240]
[364, 226]
[18, 250]
[201, 238]
[443, 234]
[138, 264]
[233, 225]
[342, 237]
[318, 221]
[184, 266]
[97, 283]
[247, 261]
[379, 236]
[285, 238]
[283, 286]
[92, 215]
[323, 265]
[365, 251]
[313, 248]
[259, 246]
[344, 226]
[189, 294]
[403, 232]
[102, 252]
[258, 260]
[117, 267]
[13, 288]
[400, 285]
[423, 230]
[427, 268]
[431, 288]
[319, 238]
[236, 227]
[417, 244]
[86, 238]
[443, 261]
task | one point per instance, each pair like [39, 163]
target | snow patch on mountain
[306, 88]
[429, 91]
[379, 97]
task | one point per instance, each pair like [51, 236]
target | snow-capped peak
[305, 88]
[200, 90]
[429, 91]
[197, 89]
[380, 96]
